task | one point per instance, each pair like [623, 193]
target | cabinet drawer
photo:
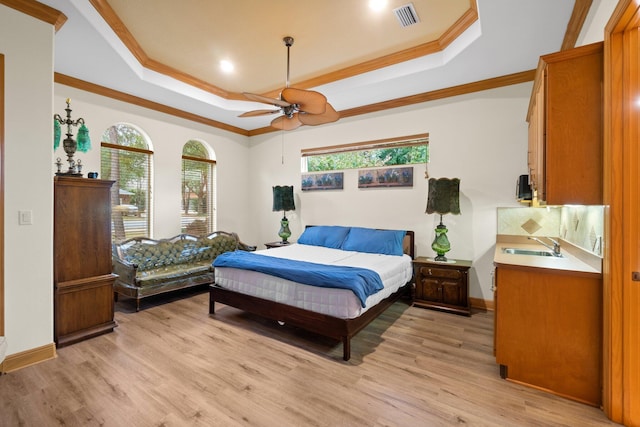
[440, 272]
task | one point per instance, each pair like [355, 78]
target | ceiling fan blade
[285, 123]
[255, 113]
[330, 115]
[310, 101]
[265, 99]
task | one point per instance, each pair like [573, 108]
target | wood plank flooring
[171, 364]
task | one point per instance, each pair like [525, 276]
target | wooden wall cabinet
[565, 118]
[83, 278]
[443, 286]
[548, 330]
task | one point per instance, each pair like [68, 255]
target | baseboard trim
[16, 361]
[482, 304]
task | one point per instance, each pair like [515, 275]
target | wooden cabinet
[443, 286]
[565, 127]
[83, 278]
[548, 330]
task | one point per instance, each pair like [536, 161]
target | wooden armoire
[82, 270]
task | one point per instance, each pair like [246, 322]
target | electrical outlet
[25, 217]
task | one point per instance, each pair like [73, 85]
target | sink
[517, 251]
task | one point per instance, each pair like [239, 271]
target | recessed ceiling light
[226, 66]
[377, 5]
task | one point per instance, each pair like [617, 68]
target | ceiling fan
[297, 106]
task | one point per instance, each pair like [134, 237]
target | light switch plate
[25, 217]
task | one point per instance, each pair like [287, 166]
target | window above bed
[412, 149]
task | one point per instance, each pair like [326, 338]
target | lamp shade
[283, 198]
[444, 196]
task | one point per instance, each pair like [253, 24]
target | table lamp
[283, 201]
[443, 198]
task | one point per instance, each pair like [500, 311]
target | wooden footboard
[322, 324]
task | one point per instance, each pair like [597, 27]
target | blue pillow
[329, 236]
[386, 242]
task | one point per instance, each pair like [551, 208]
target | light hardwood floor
[172, 365]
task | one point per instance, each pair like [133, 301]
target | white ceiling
[191, 36]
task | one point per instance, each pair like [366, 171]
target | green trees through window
[368, 158]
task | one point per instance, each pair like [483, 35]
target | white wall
[595, 22]
[167, 135]
[480, 138]
[28, 263]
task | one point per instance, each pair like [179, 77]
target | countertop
[574, 258]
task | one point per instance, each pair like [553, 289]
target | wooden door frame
[1, 197]
[621, 295]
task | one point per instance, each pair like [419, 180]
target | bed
[332, 308]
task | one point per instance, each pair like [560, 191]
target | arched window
[126, 159]
[198, 190]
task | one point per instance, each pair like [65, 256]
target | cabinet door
[573, 126]
[452, 293]
[548, 331]
[428, 288]
[82, 228]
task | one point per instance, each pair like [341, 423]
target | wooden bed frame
[322, 324]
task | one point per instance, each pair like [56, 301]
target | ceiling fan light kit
[297, 106]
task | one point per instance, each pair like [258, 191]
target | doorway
[1, 206]
[621, 284]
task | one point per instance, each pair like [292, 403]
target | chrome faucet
[555, 248]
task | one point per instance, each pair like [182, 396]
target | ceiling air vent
[406, 15]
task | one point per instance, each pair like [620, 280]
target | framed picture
[322, 181]
[386, 177]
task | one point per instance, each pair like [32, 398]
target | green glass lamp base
[284, 232]
[441, 243]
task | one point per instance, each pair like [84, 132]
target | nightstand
[442, 285]
[277, 244]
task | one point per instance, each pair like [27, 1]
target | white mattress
[395, 271]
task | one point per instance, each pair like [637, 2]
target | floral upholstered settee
[148, 267]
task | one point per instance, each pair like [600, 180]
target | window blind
[198, 196]
[130, 168]
[402, 141]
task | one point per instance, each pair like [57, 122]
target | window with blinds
[126, 159]
[403, 150]
[198, 190]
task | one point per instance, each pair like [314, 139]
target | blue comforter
[363, 282]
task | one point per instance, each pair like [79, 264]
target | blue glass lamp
[283, 201]
[443, 198]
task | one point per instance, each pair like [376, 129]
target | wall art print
[322, 181]
[387, 177]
